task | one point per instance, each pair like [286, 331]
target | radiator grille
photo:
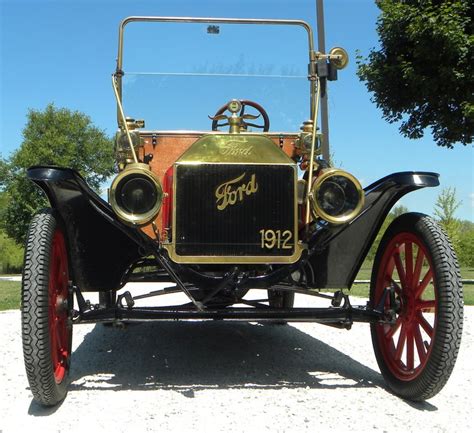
[251, 198]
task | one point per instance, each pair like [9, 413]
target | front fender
[337, 252]
[100, 247]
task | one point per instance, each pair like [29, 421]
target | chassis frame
[337, 315]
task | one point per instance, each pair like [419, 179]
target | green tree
[53, 136]
[422, 72]
[398, 210]
[466, 249]
[466, 244]
[11, 256]
[445, 209]
[3, 172]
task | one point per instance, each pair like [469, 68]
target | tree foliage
[53, 136]
[3, 172]
[446, 206]
[445, 209]
[422, 72]
[11, 257]
[466, 248]
[460, 232]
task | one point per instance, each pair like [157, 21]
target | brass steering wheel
[244, 123]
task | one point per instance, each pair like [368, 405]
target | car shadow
[188, 357]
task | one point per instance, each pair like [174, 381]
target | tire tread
[448, 332]
[34, 311]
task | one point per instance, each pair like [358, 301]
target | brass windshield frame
[311, 53]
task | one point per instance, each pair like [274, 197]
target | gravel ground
[227, 377]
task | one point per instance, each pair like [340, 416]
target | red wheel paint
[407, 344]
[60, 336]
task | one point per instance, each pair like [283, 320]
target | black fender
[100, 247]
[336, 253]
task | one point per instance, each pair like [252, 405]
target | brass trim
[299, 247]
[164, 133]
[130, 218]
[301, 23]
[124, 119]
[237, 260]
[338, 57]
[224, 149]
[313, 147]
[245, 189]
[316, 209]
[209, 20]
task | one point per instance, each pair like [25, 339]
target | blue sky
[64, 52]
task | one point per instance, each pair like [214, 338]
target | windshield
[178, 74]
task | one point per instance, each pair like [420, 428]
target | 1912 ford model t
[219, 213]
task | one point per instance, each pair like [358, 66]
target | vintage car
[233, 208]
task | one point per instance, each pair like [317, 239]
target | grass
[9, 295]
[10, 290]
[362, 290]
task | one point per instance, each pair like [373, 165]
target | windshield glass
[178, 74]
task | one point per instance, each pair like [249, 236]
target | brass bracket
[124, 119]
[313, 66]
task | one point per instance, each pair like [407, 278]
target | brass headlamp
[336, 196]
[136, 195]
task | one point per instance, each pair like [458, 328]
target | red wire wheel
[46, 309]
[58, 312]
[416, 353]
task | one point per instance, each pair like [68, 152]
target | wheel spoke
[55, 266]
[409, 262]
[426, 305]
[391, 332]
[59, 343]
[420, 347]
[53, 342]
[61, 276]
[410, 349]
[389, 269]
[58, 293]
[401, 343]
[387, 277]
[426, 279]
[418, 265]
[425, 325]
[400, 270]
[389, 272]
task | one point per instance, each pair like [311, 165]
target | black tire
[417, 355]
[280, 299]
[46, 305]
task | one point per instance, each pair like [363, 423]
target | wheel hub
[408, 306]
[61, 305]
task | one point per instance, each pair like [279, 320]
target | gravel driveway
[227, 377]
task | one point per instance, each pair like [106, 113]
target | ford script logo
[231, 150]
[235, 190]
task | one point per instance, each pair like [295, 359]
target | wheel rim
[406, 345]
[60, 337]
